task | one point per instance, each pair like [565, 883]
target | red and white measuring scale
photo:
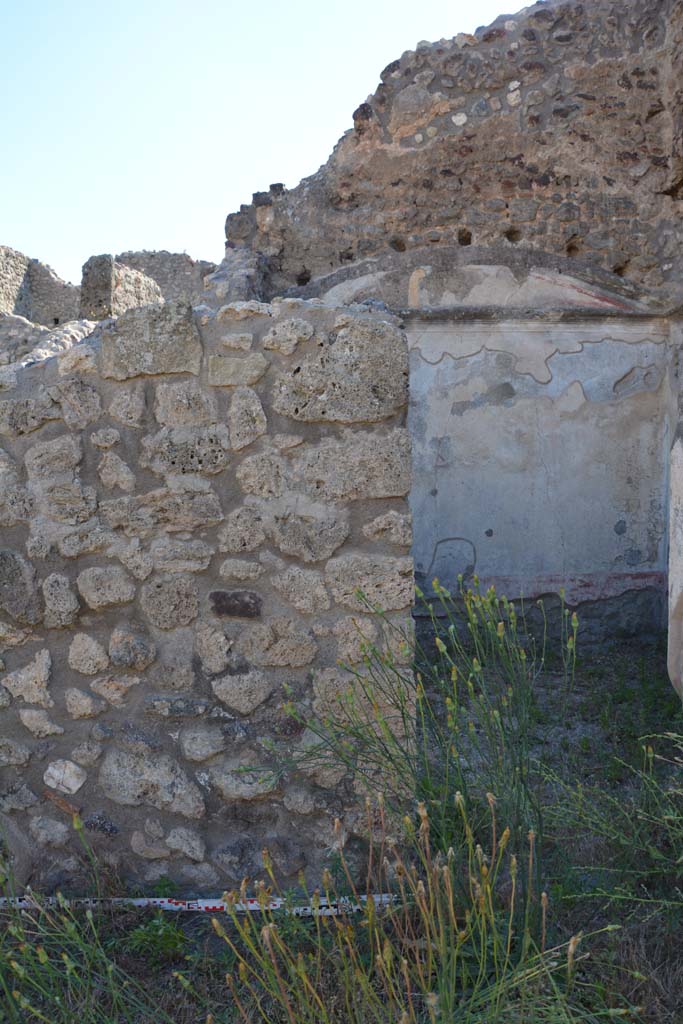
[324, 907]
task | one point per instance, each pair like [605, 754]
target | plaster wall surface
[541, 453]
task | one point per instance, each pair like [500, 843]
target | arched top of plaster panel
[445, 278]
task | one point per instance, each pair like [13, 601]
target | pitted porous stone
[313, 532]
[355, 635]
[38, 723]
[61, 603]
[236, 371]
[240, 569]
[262, 474]
[30, 683]
[184, 404]
[212, 647]
[246, 418]
[170, 601]
[13, 753]
[17, 505]
[87, 754]
[49, 832]
[128, 405]
[237, 342]
[392, 527]
[64, 776]
[70, 503]
[179, 450]
[130, 646]
[367, 465]
[79, 401]
[286, 335]
[5, 699]
[13, 636]
[156, 780]
[87, 656]
[171, 706]
[173, 511]
[242, 531]
[18, 590]
[384, 582]
[53, 459]
[360, 376]
[80, 704]
[186, 842]
[151, 340]
[103, 587]
[23, 415]
[114, 689]
[136, 560]
[243, 692]
[180, 555]
[200, 742]
[279, 643]
[113, 472]
[302, 588]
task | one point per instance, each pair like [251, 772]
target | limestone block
[146, 848]
[87, 754]
[17, 505]
[242, 531]
[105, 438]
[354, 635]
[173, 511]
[64, 776]
[136, 560]
[157, 780]
[79, 401]
[184, 404]
[151, 340]
[170, 601]
[262, 474]
[13, 753]
[70, 503]
[80, 704]
[360, 376]
[38, 723]
[128, 405]
[243, 692]
[12, 636]
[103, 587]
[18, 590]
[179, 450]
[286, 335]
[246, 418]
[49, 832]
[200, 742]
[240, 569]
[392, 527]
[180, 555]
[53, 459]
[237, 342]
[114, 689]
[61, 603]
[232, 783]
[5, 699]
[312, 533]
[236, 371]
[212, 647]
[385, 582]
[186, 842]
[302, 588]
[367, 465]
[86, 655]
[113, 472]
[278, 643]
[130, 646]
[30, 683]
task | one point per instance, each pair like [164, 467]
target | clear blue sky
[139, 124]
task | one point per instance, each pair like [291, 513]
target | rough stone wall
[189, 502]
[30, 289]
[178, 276]
[556, 132]
[109, 288]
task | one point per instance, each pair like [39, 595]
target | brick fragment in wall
[182, 557]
